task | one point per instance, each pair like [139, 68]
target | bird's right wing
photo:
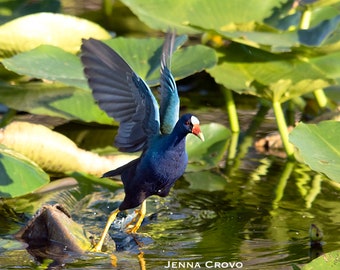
[169, 108]
[122, 94]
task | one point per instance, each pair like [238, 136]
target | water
[256, 215]
[254, 211]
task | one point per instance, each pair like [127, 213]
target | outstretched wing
[122, 94]
[169, 109]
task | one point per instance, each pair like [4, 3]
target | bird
[144, 125]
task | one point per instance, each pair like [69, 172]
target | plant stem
[232, 150]
[233, 161]
[107, 7]
[321, 98]
[231, 109]
[305, 19]
[319, 94]
[282, 126]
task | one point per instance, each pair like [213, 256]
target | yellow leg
[141, 261]
[112, 217]
[141, 214]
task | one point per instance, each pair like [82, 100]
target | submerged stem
[282, 126]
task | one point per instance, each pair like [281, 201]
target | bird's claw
[140, 214]
[134, 224]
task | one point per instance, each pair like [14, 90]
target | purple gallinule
[156, 130]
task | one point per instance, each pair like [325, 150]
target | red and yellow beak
[196, 130]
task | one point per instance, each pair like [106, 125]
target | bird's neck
[177, 138]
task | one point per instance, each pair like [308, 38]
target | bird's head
[192, 125]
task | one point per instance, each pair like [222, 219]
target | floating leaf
[330, 260]
[18, 175]
[213, 14]
[53, 100]
[232, 20]
[52, 63]
[54, 152]
[273, 77]
[143, 55]
[28, 32]
[206, 180]
[207, 154]
[319, 146]
[49, 63]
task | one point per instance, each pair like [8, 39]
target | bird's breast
[170, 165]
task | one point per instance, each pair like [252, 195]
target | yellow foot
[98, 247]
[140, 214]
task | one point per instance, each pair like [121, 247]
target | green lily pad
[207, 154]
[18, 175]
[330, 260]
[319, 146]
[273, 77]
[206, 180]
[54, 100]
[209, 14]
[49, 63]
[54, 64]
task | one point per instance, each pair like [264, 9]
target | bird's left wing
[169, 108]
[122, 94]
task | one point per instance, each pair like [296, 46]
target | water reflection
[262, 222]
[258, 214]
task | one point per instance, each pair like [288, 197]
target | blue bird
[156, 130]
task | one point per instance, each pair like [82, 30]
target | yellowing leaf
[28, 32]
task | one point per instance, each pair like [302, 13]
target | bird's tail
[111, 174]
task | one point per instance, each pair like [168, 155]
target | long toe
[141, 214]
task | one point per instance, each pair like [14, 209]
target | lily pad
[54, 64]
[54, 100]
[330, 260]
[37, 142]
[28, 32]
[49, 63]
[210, 14]
[319, 146]
[18, 175]
[206, 180]
[273, 77]
[207, 154]
[143, 55]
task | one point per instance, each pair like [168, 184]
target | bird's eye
[187, 123]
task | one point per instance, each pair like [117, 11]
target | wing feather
[169, 108]
[122, 94]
